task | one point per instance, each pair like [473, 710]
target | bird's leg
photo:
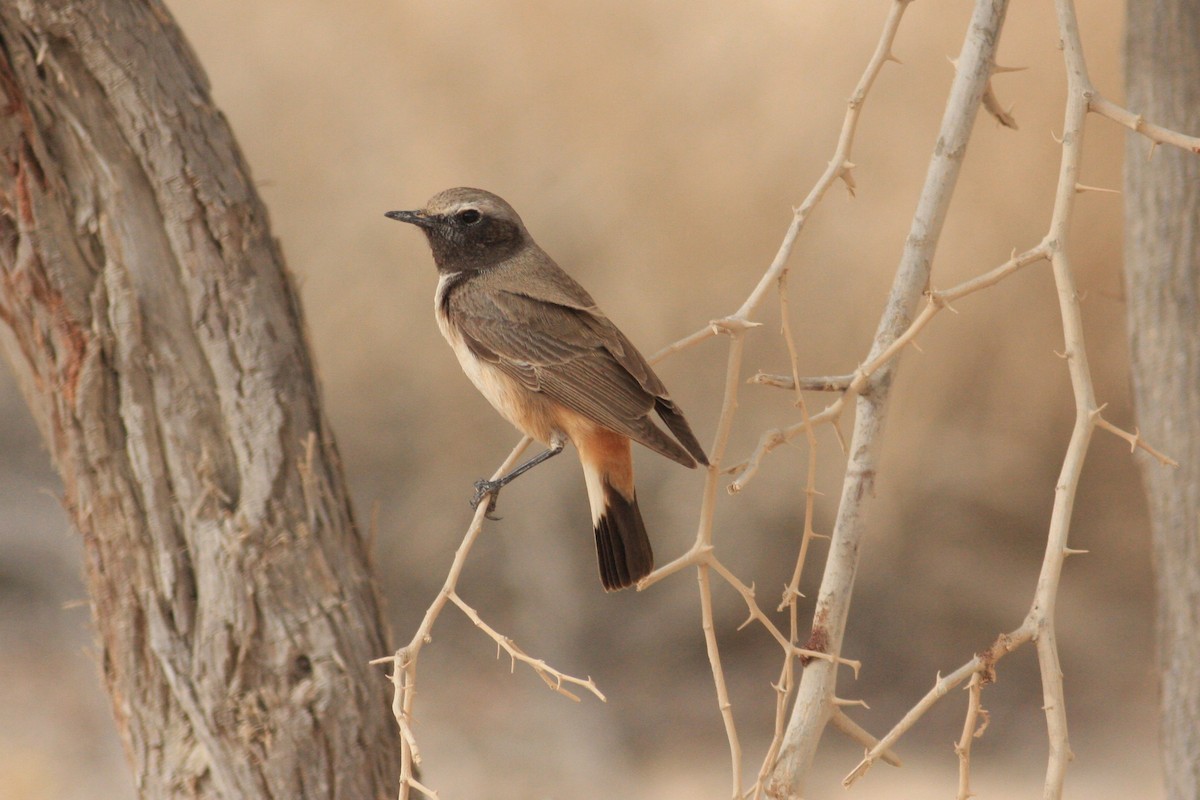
[491, 489]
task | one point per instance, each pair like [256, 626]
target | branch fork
[791, 749]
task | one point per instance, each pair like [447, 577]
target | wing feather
[565, 347]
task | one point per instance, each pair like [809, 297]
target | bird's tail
[622, 546]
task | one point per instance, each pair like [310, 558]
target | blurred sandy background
[655, 149]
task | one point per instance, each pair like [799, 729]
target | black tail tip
[622, 546]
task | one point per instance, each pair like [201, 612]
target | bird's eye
[469, 216]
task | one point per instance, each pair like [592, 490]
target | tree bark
[153, 327]
[1162, 276]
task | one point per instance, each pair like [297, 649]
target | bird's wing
[564, 347]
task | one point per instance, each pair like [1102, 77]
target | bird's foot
[490, 490]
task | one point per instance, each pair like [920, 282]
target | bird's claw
[490, 490]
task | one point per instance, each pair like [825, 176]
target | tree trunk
[152, 325]
[1162, 275]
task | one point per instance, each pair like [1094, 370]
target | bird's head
[468, 229]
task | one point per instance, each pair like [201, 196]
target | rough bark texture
[150, 320]
[1162, 273]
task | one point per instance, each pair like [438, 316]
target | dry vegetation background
[655, 150]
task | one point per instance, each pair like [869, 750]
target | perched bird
[535, 344]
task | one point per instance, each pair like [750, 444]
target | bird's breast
[531, 413]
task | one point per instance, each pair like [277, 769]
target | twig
[826, 383]
[791, 592]
[938, 300]
[714, 657]
[1138, 124]
[700, 555]
[970, 733]
[756, 613]
[840, 164]
[983, 663]
[817, 704]
[841, 720]
[814, 701]
[404, 661]
[1039, 623]
[1135, 439]
[552, 677]
[705, 333]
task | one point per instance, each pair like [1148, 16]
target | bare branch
[1138, 124]
[404, 661]
[789, 756]
[714, 657]
[841, 720]
[970, 733]
[552, 677]
[1039, 623]
[1135, 439]
[826, 383]
[814, 701]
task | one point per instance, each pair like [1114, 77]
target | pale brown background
[655, 150]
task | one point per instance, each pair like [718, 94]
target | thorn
[997, 69]
[992, 104]
[1083, 187]
[939, 300]
[1063, 354]
[847, 176]
[915, 346]
[953, 61]
[732, 325]
[837, 431]
[1069, 551]
[842, 702]
[892, 57]
[1055, 138]
[1153, 147]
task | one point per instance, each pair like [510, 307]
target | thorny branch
[736, 325]
[1038, 626]
[816, 693]
[404, 661]
[700, 555]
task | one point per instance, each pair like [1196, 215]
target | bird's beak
[418, 218]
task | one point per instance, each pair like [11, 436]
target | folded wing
[554, 340]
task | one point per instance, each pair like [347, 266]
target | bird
[536, 345]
